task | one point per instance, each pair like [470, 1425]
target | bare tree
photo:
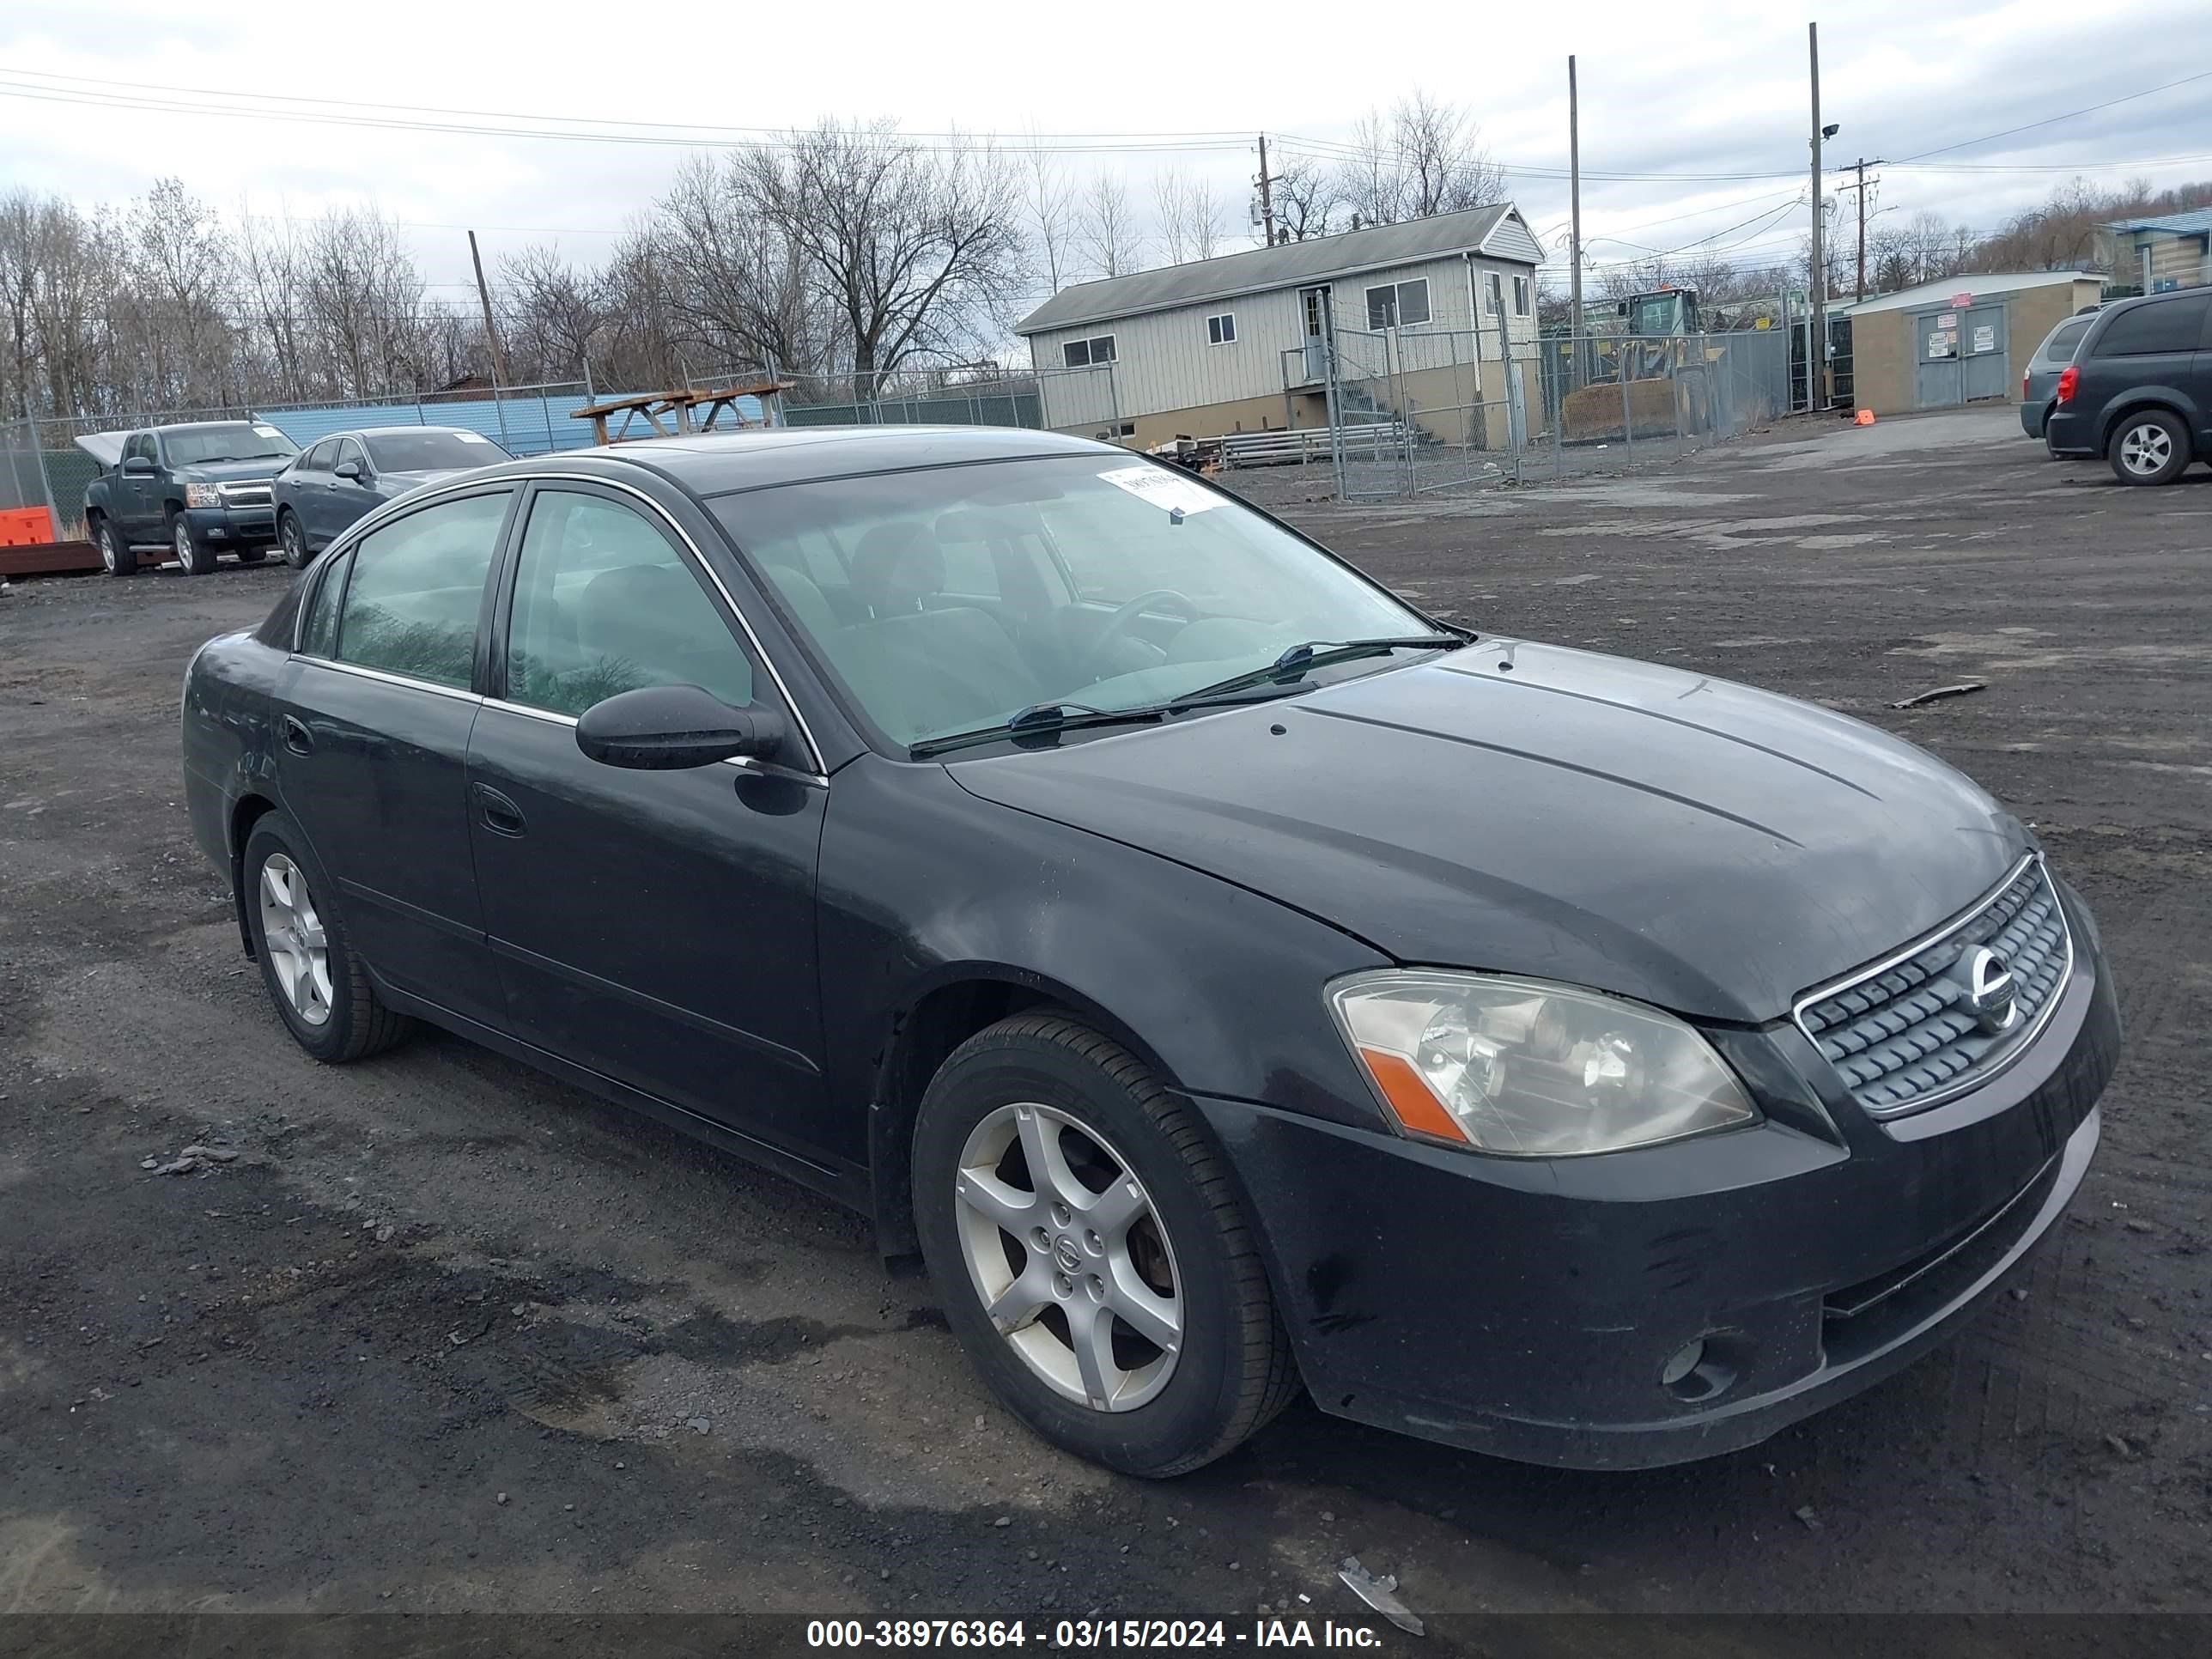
[1424, 157]
[1307, 196]
[736, 271]
[553, 310]
[1106, 228]
[912, 248]
[1049, 204]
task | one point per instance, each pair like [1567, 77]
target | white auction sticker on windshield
[1163, 488]
[267, 432]
[472, 437]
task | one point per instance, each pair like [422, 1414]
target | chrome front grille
[252, 494]
[1905, 1033]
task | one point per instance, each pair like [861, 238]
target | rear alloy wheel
[2151, 448]
[197, 559]
[319, 988]
[117, 556]
[1081, 1232]
[292, 539]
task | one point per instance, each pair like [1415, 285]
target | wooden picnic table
[668, 413]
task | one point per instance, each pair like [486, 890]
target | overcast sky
[1696, 88]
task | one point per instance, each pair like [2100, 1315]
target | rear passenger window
[321, 632]
[2168, 325]
[603, 604]
[417, 587]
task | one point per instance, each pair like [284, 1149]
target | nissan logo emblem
[1990, 991]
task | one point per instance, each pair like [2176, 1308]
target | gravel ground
[447, 1336]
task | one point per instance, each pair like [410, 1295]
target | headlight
[1529, 1069]
[203, 496]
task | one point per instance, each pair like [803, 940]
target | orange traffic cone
[1865, 417]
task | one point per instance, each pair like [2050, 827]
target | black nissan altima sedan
[1228, 978]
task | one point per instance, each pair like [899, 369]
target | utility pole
[1575, 235]
[491, 335]
[491, 332]
[1266, 197]
[1860, 167]
[1816, 345]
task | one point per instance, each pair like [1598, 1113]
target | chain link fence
[1416, 412]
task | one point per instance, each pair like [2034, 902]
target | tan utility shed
[1961, 340]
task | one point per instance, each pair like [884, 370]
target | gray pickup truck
[192, 491]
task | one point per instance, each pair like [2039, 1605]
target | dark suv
[2139, 389]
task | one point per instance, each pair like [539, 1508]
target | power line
[2052, 120]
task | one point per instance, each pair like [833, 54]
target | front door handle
[297, 737]
[501, 816]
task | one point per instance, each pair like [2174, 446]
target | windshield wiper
[1319, 654]
[1040, 717]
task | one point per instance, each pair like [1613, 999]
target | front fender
[1218, 989]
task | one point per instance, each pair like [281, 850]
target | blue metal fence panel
[527, 423]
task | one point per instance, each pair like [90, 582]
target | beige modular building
[1961, 339]
[1422, 312]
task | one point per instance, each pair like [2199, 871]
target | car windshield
[233, 441]
[954, 598]
[432, 452]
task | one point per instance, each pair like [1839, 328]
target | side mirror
[347, 470]
[669, 728]
[137, 465]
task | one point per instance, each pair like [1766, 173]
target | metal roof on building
[1980, 285]
[2198, 223]
[1318, 258]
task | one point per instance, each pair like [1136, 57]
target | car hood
[1524, 808]
[230, 471]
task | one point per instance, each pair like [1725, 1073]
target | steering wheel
[1118, 626]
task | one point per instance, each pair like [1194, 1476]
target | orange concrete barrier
[1864, 418]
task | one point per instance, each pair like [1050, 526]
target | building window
[1084, 354]
[1493, 292]
[1398, 305]
[1520, 296]
[1222, 330]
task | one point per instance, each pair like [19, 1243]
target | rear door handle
[501, 816]
[297, 737]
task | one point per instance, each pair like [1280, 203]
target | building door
[1984, 366]
[1936, 375]
[1313, 310]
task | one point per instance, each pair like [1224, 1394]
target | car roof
[720, 464]
[395, 431]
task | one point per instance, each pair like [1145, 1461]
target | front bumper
[1530, 1308]
[231, 526]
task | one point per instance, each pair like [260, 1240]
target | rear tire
[1150, 1228]
[2149, 446]
[117, 556]
[318, 986]
[195, 557]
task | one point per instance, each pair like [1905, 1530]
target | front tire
[292, 539]
[197, 558]
[319, 987]
[117, 556]
[1082, 1235]
[2150, 447]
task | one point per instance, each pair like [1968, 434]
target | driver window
[604, 604]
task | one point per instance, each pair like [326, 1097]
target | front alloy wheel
[2150, 448]
[117, 556]
[1090, 1255]
[1066, 1249]
[294, 540]
[196, 559]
